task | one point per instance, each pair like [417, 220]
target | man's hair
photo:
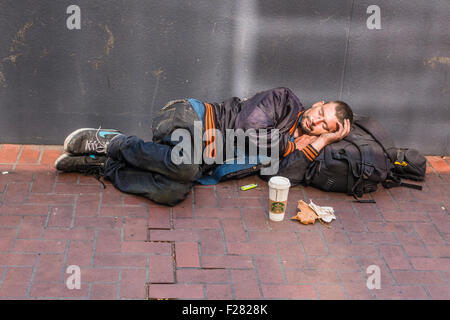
[343, 111]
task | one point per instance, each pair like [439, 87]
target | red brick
[135, 229]
[335, 236]
[431, 264]
[311, 276]
[16, 281]
[132, 284]
[182, 212]
[401, 292]
[245, 284]
[418, 277]
[351, 222]
[49, 268]
[41, 198]
[40, 246]
[439, 164]
[357, 291]
[60, 216]
[28, 209]
[255, 219]
[413, 245]
[99, 222]
[233, 230]
[372, 237]
[78, 233]
[313, 244]
[217, 213]
[269, 269]
[17, 259]
[116, 260]
[50, 154]
[112, 197]
[291, 256]
[176, 291]
[441, 220]
[16, 193]
[439, 292]
[160, 218]
[161, 269]
[366, 262]
[330, 292]
[174, 235]
[30, 154]
[10, 221]
[108, 241]
[67, 188]
[204, 198]
[68, 178]
[98, 274]
[7, 238]
[146, 247]
[428, 233]
[367, 250]
[187, 223]
[186, 254]
[375, 226]
[405, 216]
[80, 253]
[103, 291]
[57, 290]
[211, 242]
[289, 291]
[273, 236]
[218, 292]
[9, 153]
[324, 263]
[202, 275]
[119, 211]
[227, 261]
[439, 251]
[394, 257]
[240, 203]
[87, 205]
[251, 248]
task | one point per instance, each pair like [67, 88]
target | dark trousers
[145, 168]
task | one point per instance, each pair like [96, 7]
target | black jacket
[277, 108]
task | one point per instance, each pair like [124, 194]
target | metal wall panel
[132, 56]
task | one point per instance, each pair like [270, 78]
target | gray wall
[132, 56]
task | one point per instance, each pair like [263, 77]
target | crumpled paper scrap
[308, 213]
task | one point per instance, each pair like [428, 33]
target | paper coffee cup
[278, 195]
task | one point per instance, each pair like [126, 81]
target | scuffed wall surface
[130, 57]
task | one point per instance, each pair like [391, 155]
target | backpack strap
[394, 181]
[377, 131]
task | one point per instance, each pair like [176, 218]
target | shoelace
[96, 171]
[95, 144]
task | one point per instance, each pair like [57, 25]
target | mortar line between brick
[18, 157]
[41, 154]
[341, 283]
[258, 280]
[33, 272]
[64, 267]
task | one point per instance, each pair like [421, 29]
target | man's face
[320, 118]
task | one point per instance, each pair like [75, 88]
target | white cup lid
[279, 182]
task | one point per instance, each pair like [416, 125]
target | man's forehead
[329, 110]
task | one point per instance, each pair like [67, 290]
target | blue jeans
[145, 168]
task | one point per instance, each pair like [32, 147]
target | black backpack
[362, 160]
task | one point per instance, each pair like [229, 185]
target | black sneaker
[91, 164]
[83, 164]
[89, 141]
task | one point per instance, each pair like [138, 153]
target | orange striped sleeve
[291, 130]
[310, 152]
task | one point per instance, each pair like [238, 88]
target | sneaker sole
[73, 134]
[60, 158]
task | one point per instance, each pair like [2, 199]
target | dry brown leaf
[305, 215]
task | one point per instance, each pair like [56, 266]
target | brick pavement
[218, 243]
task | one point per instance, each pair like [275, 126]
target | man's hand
[339, 134]
[330, 137]
[303, 140]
